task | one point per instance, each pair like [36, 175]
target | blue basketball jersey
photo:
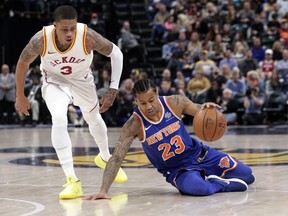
[166, 143]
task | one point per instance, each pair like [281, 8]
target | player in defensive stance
[66, 50]
[190, 166]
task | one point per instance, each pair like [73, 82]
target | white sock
[62, 144]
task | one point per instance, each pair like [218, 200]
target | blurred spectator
[169, 25]
[277, 50]
[181, 89]
[143, 75]
[248, 64]
[239, 51]
[7, 95]
[75, 116]
[254, 81]
[235, 84]
[166, 75]
[217, 49]
[282, 65]
[127, 88]
[198, 85]
[226, 35]
[273, 84]
[268, 6]
[134, 75]
[273, 26]
[194, 45]
[214, 93]
[131, 44]
[165, 88]
[229, 59]
[124, 108]
[238, 38]
[180, 76]
[158, 27]
[177, 56]
[211, 35]
[244, 16]
[268, 65]
[258, 52]
[217, 76]
[257, 27]
[206, 63]
[283, 32]
[104, 79]
[229, 106]
[97, 24]
[185, 65]
[226, 72]
[36, 101]
[253, 102]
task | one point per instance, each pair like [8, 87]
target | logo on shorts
[224, 162]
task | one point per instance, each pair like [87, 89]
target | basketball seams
[203, 124]
[216, 123]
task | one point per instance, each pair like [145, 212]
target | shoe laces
[69, 181]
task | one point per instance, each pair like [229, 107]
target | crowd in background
[233, 53]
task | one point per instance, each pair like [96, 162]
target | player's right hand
[22, 105]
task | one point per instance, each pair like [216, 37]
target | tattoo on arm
[34, 48]
[95, 41]
[128, 133]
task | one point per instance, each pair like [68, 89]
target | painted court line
[38, 207]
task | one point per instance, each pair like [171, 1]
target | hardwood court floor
[30, 177]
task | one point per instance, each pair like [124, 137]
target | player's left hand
[210, 104]
[108, 99]
[97, 196]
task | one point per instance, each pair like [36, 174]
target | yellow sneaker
[121, 175]
[73, 189]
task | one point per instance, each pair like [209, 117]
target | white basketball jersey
[65, 67]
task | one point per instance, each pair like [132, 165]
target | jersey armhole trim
[142, 126]
[84, 40]
[45, 42]
[169, 107]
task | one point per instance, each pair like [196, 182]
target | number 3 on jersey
[66, 70]
[166, 147]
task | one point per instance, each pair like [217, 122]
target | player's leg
[242, 171]
[193, 183]
[223, 165]
[85, 96]
[98, 130]
[57, 102]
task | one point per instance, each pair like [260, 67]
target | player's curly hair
[65, 12]
[143, 85]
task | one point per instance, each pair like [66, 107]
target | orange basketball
[209, 124]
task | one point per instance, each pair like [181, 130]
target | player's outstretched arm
[32, 50]
[183, 105]
[129, 131]
[94, 41]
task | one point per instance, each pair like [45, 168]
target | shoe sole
[229, 180]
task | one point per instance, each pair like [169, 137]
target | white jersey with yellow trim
[63, 67]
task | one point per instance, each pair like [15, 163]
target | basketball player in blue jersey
[66, 50]
[193, 168]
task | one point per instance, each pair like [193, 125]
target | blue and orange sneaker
[229, 185]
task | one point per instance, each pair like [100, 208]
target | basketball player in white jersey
[66, 50]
